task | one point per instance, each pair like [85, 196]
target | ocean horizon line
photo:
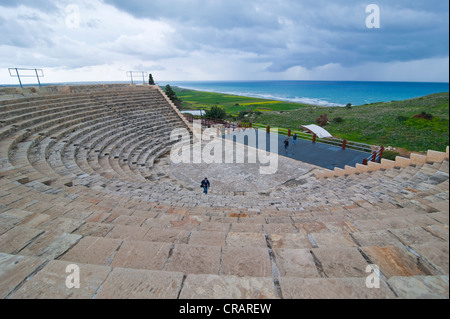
[311, 92]
[217, 81]
[320, 93]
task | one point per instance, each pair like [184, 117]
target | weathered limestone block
[339, 172]
[373, 166]
[402, 161]
[434, 156]
[361, 168]
[387, 164]
[418, 159]
[350, 170]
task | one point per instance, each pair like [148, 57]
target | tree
[349, 105]
[170, 92]
[150, 80]
[172, 96]
[216, 112]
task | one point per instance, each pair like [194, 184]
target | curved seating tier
[85, 180]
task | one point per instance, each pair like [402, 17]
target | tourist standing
[294, 139]
[205, 184]
[286, 145]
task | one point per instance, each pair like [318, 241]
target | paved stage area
[319, 154]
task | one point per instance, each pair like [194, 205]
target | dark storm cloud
[228, 39]
[308, 33]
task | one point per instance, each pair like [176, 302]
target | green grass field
[233, 104]
[388, 124]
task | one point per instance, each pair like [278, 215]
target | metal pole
[18, 76]
[37, 76]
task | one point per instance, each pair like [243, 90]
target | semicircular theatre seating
[88, 185]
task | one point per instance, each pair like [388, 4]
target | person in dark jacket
[286, 145]
[205, 184]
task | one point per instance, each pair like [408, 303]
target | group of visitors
[286, 142]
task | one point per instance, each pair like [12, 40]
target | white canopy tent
[320, 132]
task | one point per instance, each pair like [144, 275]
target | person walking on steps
[205, 184]
[286, 145]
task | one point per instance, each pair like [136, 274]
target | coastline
[266, 98]
[318, 93]
[390, 124]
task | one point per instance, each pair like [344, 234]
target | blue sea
[324, 93]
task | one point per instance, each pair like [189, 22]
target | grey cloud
[279, 33]
[306, 33]
[46, 5]
[201, 13]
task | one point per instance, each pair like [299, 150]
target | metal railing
[343, 143]
[375, 157]
[21, 72]
[138, 73]
[207, 121]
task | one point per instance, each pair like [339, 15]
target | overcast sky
[176, 40]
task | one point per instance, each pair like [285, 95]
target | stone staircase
[90, 185]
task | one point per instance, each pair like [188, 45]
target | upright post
[268, 129]
[365, 162]
[314, 138]
[381, 154]
[251, 125]
[344, 144]
[289, 133]
[374, 156]
[18, 76]
[37, 76]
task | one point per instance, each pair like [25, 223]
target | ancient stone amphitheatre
[86, 181]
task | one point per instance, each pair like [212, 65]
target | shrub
[390, 155]
[402, 118]
[349, 105]
[242, 114]
[423, 115]
[322, 120]
[338, 120]
[216, 112]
